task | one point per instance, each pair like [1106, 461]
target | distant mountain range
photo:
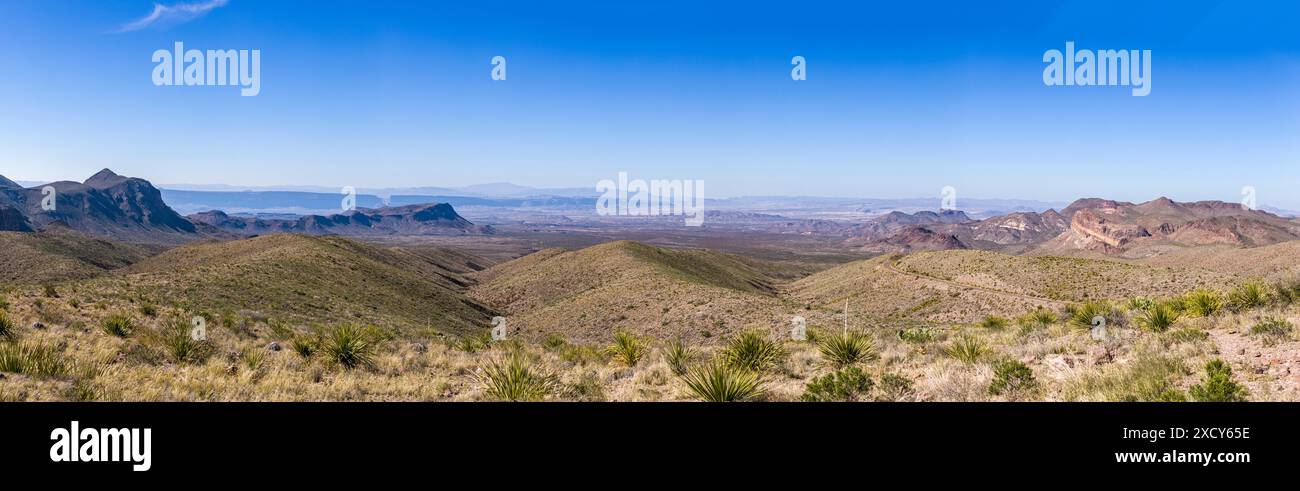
[133, 210]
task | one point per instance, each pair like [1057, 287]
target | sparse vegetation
[7, 328]
[1272, 330]
[180, 344]
[1218, 385]
[917, 335]
[720, 381]
[995, 323]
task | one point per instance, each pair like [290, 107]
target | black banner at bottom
[146, 441]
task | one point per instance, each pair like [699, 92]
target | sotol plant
[678, 355]
[1158, 318]
[1248, 296]
[753, 351]
[846, 348]
[119, 325]
[31, 359]
[516, 379]
[968, 349]
[718, 381]
[348, 346]
[627, 348]
[1202, 303]
[7, 328]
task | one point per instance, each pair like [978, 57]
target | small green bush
[1218, 385]
[1273, 327]
[968, 349]
[348, 346]
[7, 328]
[1202, 303]
[1249, 295]
[919, 335]
[516, 379]
[995, 323]
[850, 384]
[1011, 377]
[1158, 318]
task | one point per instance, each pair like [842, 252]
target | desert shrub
[49, 291]
[1158, 318]
[627, 348]
[1188, 335]
[1081, 315]
[968, 349]
[918, 335]
[1218, 385]
[348, 346]
[253, 359]
[588, 388]
[31, 359]
[1272, 329]
[847, 348]
[995, 323]
[753, 351]
[149, 310]
[1286, 292]
[1248, 296]
[1011, 377]
[894, 387]
[472, 343]
[516, 379]
[1149, 377]
[850, 384]
[119, 325]
[720, 381]
[1202, 303]
[180, 344]
[7, 328]
[555, 342]
[678, 355]
[1037, 319]
[1138, 304]
[305, 346]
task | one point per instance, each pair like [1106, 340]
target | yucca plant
[753, 351]
[181, 345]
[1043, 317]
[348, 346]
[846, 348]
[31, 359]
[7, 328]
[719, 381]
[678, 355]
[1159, 317]
[1081, 315]
[967, 349]
[305, 346]
[1202, 303]
[627, 348]
[516, 379]
[119, 325]
[1248, 296]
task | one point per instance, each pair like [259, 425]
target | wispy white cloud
[173, 14]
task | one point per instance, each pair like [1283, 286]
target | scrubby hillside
[591, 292]
[307, 279]
[59, 254]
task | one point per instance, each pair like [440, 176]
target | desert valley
[113, 294]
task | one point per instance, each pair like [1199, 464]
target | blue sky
[900, 100]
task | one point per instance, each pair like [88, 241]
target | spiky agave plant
[348, 346]
[678, 355]
[846, 348]
[1159, 317]
[719, 381]
[627, 349]
[753, 351]
[516, 379]
[1202, 303]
